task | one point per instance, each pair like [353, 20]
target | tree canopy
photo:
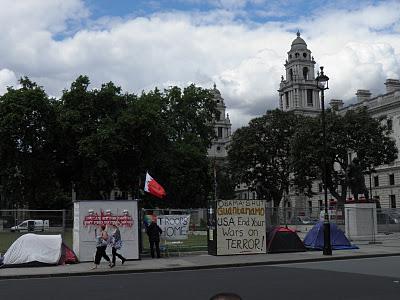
[97, 139]
[260, 155]
[28, 156]
[282, 152]
[355, 134]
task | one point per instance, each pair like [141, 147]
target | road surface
[376, 278]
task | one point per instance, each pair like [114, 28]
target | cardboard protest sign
[240, 227]
[174, 227]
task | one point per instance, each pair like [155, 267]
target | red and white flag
[153, 187]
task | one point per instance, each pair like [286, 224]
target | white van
[31, 225]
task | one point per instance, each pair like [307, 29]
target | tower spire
[298, 91]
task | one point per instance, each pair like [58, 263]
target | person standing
[154, 231]
[101, 246]
[116, 243]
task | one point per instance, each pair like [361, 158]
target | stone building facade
[218, 149]
[298, 92]
[384, 183]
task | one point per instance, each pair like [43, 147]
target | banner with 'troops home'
[174, 227]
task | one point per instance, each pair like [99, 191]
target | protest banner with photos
[90, 215]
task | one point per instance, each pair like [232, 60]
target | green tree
[96, 153]
[260, 155]
[182, 163]
[114, 138]
[225, 183]
[96, 139]
[28, 152]
[355, 133]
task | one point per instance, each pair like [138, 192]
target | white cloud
[7, 79]
[24, 16]
[361, 66]
[227, 4]
[359, 49]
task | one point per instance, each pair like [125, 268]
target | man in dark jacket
[154, 231]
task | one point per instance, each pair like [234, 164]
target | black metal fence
[39, 220]
[301, 220]
[196, 238]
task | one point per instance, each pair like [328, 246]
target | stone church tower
[222, 126]
[299, 92]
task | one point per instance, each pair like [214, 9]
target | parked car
[31, 225]
[302, 220]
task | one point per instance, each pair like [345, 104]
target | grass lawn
[193, 243]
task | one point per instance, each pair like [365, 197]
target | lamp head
[322, 80]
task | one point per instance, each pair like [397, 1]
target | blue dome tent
[315, 238]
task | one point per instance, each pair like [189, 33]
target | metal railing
[196, 238]
[301, 220]
[55, 220]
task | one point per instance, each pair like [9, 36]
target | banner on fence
[240, 227]
[90, 215]
[174, 227]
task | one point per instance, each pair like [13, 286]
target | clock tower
[298, 92]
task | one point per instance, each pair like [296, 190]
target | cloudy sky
[240, 45]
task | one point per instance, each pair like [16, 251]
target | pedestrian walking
[101, 246]
[154, 231]
[116, 244]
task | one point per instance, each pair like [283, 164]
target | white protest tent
[34, 248]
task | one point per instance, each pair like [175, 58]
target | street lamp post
[322, 84]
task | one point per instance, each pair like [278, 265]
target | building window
[287, 99]
[219, 132]
[309, 98]
[305, 73]
[376, 180]
[391, 179]
[390, 124]
[392, 201]
[320, 187]
[320, 204]
[291, 74]
[310, 208]
[254, 195]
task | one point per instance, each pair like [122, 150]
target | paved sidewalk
[386, 246]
